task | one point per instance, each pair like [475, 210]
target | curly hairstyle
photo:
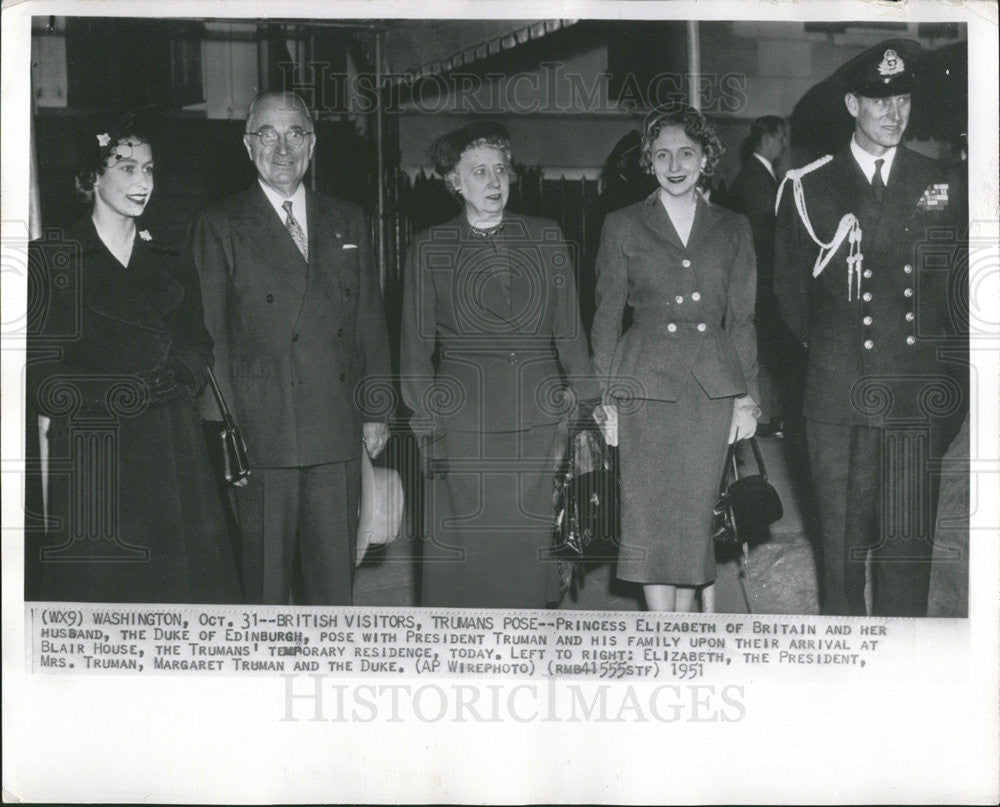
[695, 125]
[127, 132]
[448, 149]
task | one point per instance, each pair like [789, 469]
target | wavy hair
[695, 125]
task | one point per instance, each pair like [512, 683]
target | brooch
[145, 236]
[103, 139]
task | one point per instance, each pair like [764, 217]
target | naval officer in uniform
[865, 252]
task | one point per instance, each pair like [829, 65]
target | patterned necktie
[878, 184]
[295, 229]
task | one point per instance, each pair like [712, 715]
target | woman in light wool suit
[681, 383]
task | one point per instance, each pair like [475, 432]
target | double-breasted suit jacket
[301, 348]
[135, 516]
[503, 315]
[873, 352]
[693, 306]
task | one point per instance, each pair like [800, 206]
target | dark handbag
[748, 504]
[587, 505]
[226, 447]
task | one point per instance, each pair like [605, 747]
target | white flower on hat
[145, 236]
[103, 139]
[891, 64]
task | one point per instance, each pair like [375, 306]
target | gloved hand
[433, 462]
[744, 422]
[166, 381]
[606, 416]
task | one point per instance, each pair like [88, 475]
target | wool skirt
[489, 523]
[671, 457]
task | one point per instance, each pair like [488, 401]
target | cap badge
[891, 64]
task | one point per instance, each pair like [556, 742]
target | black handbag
[587, 505]
[226, 447]
[747, 505]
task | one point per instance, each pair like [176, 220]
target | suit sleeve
[371, 338]
[792, 268]
[417, 340]
[610, 296]
[570, 341]
[740, 303]
[213, 262]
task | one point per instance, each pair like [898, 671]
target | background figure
[880, 404]
[292, 300]
[491, 338]
[682, 380]
[116, 356]
[779, 354]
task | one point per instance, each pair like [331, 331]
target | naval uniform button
[702, 326]
[867, 320]
[867, 296]
[679, 298]
[867, 273]
[911, 340]
[908, 269]
[907, 292]
[869, 344]
[686, 263]
[695, 296]
[671, 327]
[909, 316]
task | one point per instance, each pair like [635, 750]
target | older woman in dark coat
[681, 381]
[117, 353]
[491, 342]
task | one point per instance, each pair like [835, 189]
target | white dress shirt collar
[866, 161]
[298, 200]
[767, 164]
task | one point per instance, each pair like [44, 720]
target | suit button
[911, 340]
[702, 326]
[343, 377]
[270, 298]
[869, 344]
[512, 358]
[671, 327]
[679, 298]
[867, 320]
[695, 296]
[340, 331]
[909, 316]
[908, 269]
[295, 338]
[347, 292]
[907, 292]
[867, 296]
[867, 273]
[686, 263]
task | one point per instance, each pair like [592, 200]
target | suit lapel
[655, 217]
[902, 193]
[264, 229]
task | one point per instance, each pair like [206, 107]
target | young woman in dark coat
[117, 353]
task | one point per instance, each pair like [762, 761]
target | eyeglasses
[269, 137]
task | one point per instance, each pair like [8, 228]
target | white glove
[744, 422]
[606, 417]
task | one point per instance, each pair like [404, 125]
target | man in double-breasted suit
[872, 304]
[293, 304]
